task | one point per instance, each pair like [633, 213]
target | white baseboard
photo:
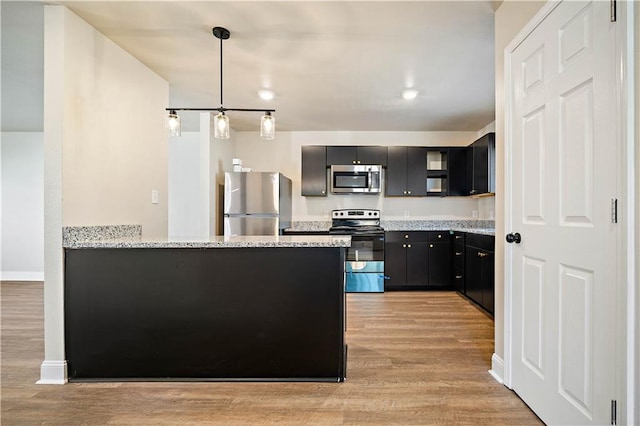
[21, 276]
[53, 373]
[497, 368]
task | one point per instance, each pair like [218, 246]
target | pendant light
[221, 120]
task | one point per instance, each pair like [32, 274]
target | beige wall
[104, 151]
[511, 17]
[284, 155]
[115, 147]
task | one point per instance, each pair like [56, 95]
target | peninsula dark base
[207, 314]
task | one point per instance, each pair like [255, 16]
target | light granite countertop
[484, 227]
[214, 242]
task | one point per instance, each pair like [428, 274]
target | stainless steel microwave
[356, 179]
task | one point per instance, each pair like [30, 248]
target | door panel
[576, 156]
[251, 193]
[564, 165]
[533, 329]
[576, 350]
[250, 226]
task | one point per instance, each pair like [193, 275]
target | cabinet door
[473, 272]
[488, 281]
[314, 171]
[458, 182]
[341, 155]
[439, 265]
[396, 174]
[417, 264]
[395, 265]
[483, 152]
[372, 155]
[416, 171]
[480, 169]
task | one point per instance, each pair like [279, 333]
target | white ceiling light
[266, 95]
[409, 94]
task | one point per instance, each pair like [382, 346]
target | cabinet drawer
[484, 242]
[458, 238]
[438, 236]
[457, 279]
[408, 236]
[458, 256]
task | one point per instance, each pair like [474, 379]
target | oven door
[364, 267]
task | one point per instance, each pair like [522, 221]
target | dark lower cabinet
[479, 270]
[457, 256]
[439, 261]
[417, 260]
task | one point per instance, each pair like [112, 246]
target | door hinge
[614, 412]
[613, 11]
[614, 210]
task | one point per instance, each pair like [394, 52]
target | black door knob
[514, 238]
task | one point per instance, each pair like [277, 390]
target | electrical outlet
[154, 196]
[406, 213]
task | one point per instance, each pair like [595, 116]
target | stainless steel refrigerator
[256, 203]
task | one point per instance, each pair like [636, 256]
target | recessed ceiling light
[409, 94]
[266, 95]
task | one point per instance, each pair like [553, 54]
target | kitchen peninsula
[222, 308]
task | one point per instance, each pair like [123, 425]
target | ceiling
[333, 65]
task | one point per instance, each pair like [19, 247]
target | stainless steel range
[365, 258]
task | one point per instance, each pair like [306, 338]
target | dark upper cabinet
[341, 155]
[483, 158]
[406, 171]
[459, 177]
[314, 171]
[437, 165]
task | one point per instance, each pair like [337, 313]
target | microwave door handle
[370, 180]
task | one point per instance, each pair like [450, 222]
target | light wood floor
[414, 358]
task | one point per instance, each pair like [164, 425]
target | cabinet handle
[458, 237]
[431, 245]
[408, 192]
[358, 161]
[404, 245]
[458, 253]
[406, 236]
[481, 254]
[323, 192]
[473, 191]
[458, 277]
[409, 245]
[353, 162]
[404, 192]
[439, 235]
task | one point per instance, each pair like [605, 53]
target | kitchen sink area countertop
[484, 227]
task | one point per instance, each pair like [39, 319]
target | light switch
[154, 196]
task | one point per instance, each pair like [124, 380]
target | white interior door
[563, 146]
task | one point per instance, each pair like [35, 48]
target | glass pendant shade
[173, 124]
[268, 126]
[221, 126]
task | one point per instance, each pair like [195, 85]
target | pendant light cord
[221, 73]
